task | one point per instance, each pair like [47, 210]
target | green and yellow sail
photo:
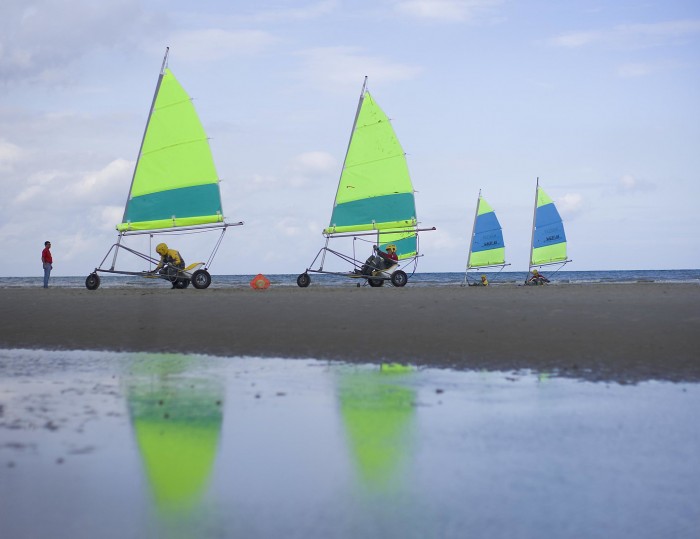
[375, 190]
[175, 181]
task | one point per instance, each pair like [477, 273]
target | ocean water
[417, 279]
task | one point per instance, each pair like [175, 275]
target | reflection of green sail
[377, 412]
[177, 421]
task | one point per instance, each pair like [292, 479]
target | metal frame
[151, 260]
[358, 263]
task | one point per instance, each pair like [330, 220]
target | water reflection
[112, 445]
[176, 417]
[378, 413]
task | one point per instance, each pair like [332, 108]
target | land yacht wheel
[399, 278]
[182, 283]
[92, 282]
[374, 283]
[304, 280]
[201, 279]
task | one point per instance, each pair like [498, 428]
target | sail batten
[175, 182]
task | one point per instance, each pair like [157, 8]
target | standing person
[47, 262]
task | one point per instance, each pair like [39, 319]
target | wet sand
[621, 332]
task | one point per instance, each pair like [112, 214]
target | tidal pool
[112, 445]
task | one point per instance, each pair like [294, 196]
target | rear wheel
[201, 279]
[92, 282]
[375, 282]
[399, 278]
[182, 283]
[304, 280]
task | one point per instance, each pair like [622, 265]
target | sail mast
[163, 67]
[471, 243]
[534, 221]
[352, 132]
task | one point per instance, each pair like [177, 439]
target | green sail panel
[175, 182]
[375, 190]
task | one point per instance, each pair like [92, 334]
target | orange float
[260, 282]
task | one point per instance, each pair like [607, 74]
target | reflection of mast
[177, 420]
[378, 412]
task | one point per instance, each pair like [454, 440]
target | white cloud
[214, 44]
[39, 42]
[10, 154]
[631, 35]
[570, 203]
[444, 10]
[303, 13]
[634, 70]
[342, 66]
[630, 184]
[309, 166]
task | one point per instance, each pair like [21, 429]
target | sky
[599, 99]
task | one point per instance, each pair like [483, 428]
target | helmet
[535, 272]
[391, 247]
[161, 249]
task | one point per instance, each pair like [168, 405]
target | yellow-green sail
[177, 424]
[175, 181]
[375, 190]
[378, 411]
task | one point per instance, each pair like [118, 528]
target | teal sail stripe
[396, 207]
[186, 202]
[405, 245]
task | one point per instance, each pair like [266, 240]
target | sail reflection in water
[176, 417]
[378, 414]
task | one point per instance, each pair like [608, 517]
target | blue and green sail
[175, 181]
[487, 247]
[375, 192]
[548, 237]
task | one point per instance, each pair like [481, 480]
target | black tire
[303, 280]
[181, 283]
[92, 282]
[201, 279]
[399, 278]
[374, 283]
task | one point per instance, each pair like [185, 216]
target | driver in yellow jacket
[169, 257]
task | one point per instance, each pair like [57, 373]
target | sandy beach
[622, 332]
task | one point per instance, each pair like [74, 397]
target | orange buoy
[260, 282]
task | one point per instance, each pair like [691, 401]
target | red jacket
[46, 256]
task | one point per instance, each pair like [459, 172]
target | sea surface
[417, 279]
[133, 445]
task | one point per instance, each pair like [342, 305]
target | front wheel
[182, 283]
[201, 279]
[399, 278]
[375, 282]
[92, 282]
[303, 280]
